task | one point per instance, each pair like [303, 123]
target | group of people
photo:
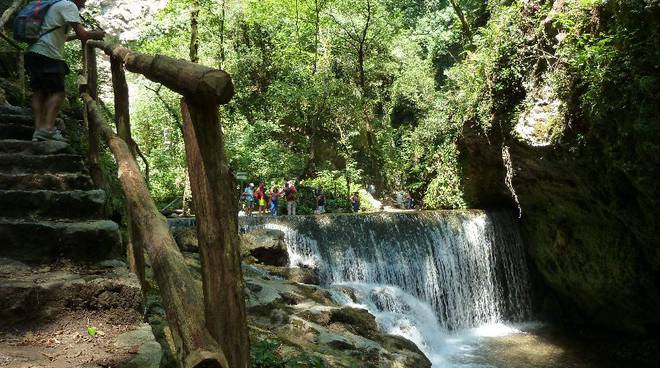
[405, 200]
[265, 200]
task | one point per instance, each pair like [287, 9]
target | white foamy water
[443, 280]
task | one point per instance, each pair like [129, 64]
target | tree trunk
[464, 24]
[216, 207]
[194, 41]
[222, 36]
[196, 348]
[317, 12]
[362, 44]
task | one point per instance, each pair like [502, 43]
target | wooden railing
[209, 329]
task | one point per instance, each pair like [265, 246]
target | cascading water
[422, 274]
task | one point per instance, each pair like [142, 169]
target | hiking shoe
[41, 135]
[57, 136]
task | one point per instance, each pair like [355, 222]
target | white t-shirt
[59, 15]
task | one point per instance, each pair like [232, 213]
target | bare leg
[53, 104]
[38, 109]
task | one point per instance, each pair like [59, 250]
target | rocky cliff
[577, 151]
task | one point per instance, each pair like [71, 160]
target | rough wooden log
[216, 209]
[135, 252]
[94, 142]
[196, 348]
[9, 12]
[201, 83]
[122, 114]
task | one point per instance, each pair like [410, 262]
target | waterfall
[468, 266]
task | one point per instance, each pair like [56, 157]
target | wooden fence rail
[210, 331]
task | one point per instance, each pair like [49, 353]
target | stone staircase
[56, 278]
[48, 206]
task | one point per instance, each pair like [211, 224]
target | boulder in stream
[266, 246]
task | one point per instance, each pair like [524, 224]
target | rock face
[589, 212]
[304, 318]
[123, 18]
[266, 246]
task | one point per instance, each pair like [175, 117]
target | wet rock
[303, 275]
[304, 319]
[266, 246]
[186, 238]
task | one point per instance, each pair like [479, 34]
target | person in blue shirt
[248, 197]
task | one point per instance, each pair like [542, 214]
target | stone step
[24, 164]
[34, 148]
[74, 204]
[15, 110]
[46, 241]
[16, 131]
[59, 182]
[45, 311]
[28, 292]
[16, 118]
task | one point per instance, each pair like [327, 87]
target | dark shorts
[46, 74]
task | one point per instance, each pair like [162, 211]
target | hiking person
[274, 196]
[260, 197]
[355, 202]
[290, 196]
[45, 65]
[400, 200]
[248, 197]
[410, 202]
[320, 201]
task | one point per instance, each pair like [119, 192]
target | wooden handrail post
[122, 114]
[92, 128]
[196, 348]
[216, 209]
[222, 318]
[134, 250]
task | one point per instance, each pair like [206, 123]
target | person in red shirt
[290, 196]
[260, 197]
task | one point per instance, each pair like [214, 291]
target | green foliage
[324, 89]
[264, 354]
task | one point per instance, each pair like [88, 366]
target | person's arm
[83, 35]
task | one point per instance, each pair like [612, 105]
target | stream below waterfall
[455, 283]
[444, 280]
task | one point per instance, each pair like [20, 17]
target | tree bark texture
[194, 41]
[93, 128]
[464, 24]
[222, 35]
[13, 8]
[196, 348]
[135, 250]
[216, 208]
[201, 83]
